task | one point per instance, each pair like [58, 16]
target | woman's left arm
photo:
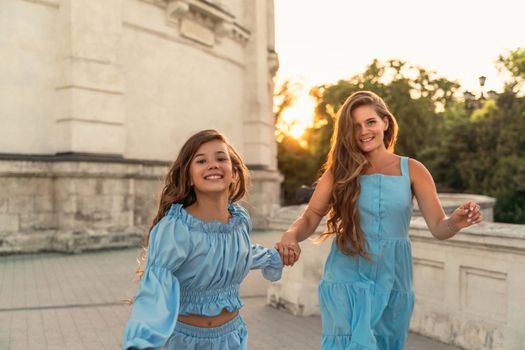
[441, 226]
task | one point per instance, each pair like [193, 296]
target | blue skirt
[367, 304]
[232, 335]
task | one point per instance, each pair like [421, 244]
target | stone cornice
[80, 165]
[79, 157]
[487, 235]
[177, 39]
[204, 22]
[449, 201]
[50, 3]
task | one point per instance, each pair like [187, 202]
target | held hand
[465, 215]
[289, 249]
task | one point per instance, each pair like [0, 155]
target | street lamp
[482, 80]
[471, 102]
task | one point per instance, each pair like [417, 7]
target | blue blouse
[194, 267]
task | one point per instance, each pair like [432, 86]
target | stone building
[96, 98]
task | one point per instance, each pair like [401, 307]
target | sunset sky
[324, 41]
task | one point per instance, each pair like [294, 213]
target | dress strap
[404, 167]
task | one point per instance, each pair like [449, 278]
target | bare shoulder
[417, 171]
[416, 165]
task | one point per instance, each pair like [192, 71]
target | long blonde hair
[346, 163]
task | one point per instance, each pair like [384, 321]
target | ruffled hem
[176, 210]
[211, 308]
[159, 291]
[332, 342]
[391, 343]
[354, 317]
[347, 315]
[274, 268]
[141, 336]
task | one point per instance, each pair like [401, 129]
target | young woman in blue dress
[366, 295]
[198, 253]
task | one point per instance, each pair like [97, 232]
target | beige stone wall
[71, 206]
[59, 204]
[173, 91]
[263, 197]
[28, 46]
[135, 78]
[469, 290]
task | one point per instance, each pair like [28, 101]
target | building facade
[98, 96]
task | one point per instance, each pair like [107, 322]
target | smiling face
[369, 128]
[211, 169]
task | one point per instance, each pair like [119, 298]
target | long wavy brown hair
[177, 186]
[347, 163]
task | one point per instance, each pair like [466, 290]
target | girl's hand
[465, 215]
[288, 248]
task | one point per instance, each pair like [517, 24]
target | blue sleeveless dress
[368, 304]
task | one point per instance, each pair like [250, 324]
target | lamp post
[471, 102]
[482, 80]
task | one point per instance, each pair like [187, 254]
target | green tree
[492, 157]
[295, 162]
[489, 147]
[514, 62]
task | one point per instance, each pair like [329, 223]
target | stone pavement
[55, 301]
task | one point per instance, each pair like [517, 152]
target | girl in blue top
[198, 253]
[366, 295]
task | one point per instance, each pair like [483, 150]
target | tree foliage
[296, 162]
[514, 62]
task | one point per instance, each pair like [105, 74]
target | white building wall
[173, 91]
[28, 71]
[135, 78]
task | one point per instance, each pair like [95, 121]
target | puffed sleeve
[268, 260]
[156, 303]
[263, 258]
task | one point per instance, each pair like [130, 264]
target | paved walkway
[55, 301]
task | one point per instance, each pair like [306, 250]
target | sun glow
[297, 118]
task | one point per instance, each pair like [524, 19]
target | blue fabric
[229, 336]
[367, 304]
[194, 267]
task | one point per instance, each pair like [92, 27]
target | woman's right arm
[307, 223]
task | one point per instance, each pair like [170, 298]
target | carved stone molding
[205, 22]
[273, 62]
